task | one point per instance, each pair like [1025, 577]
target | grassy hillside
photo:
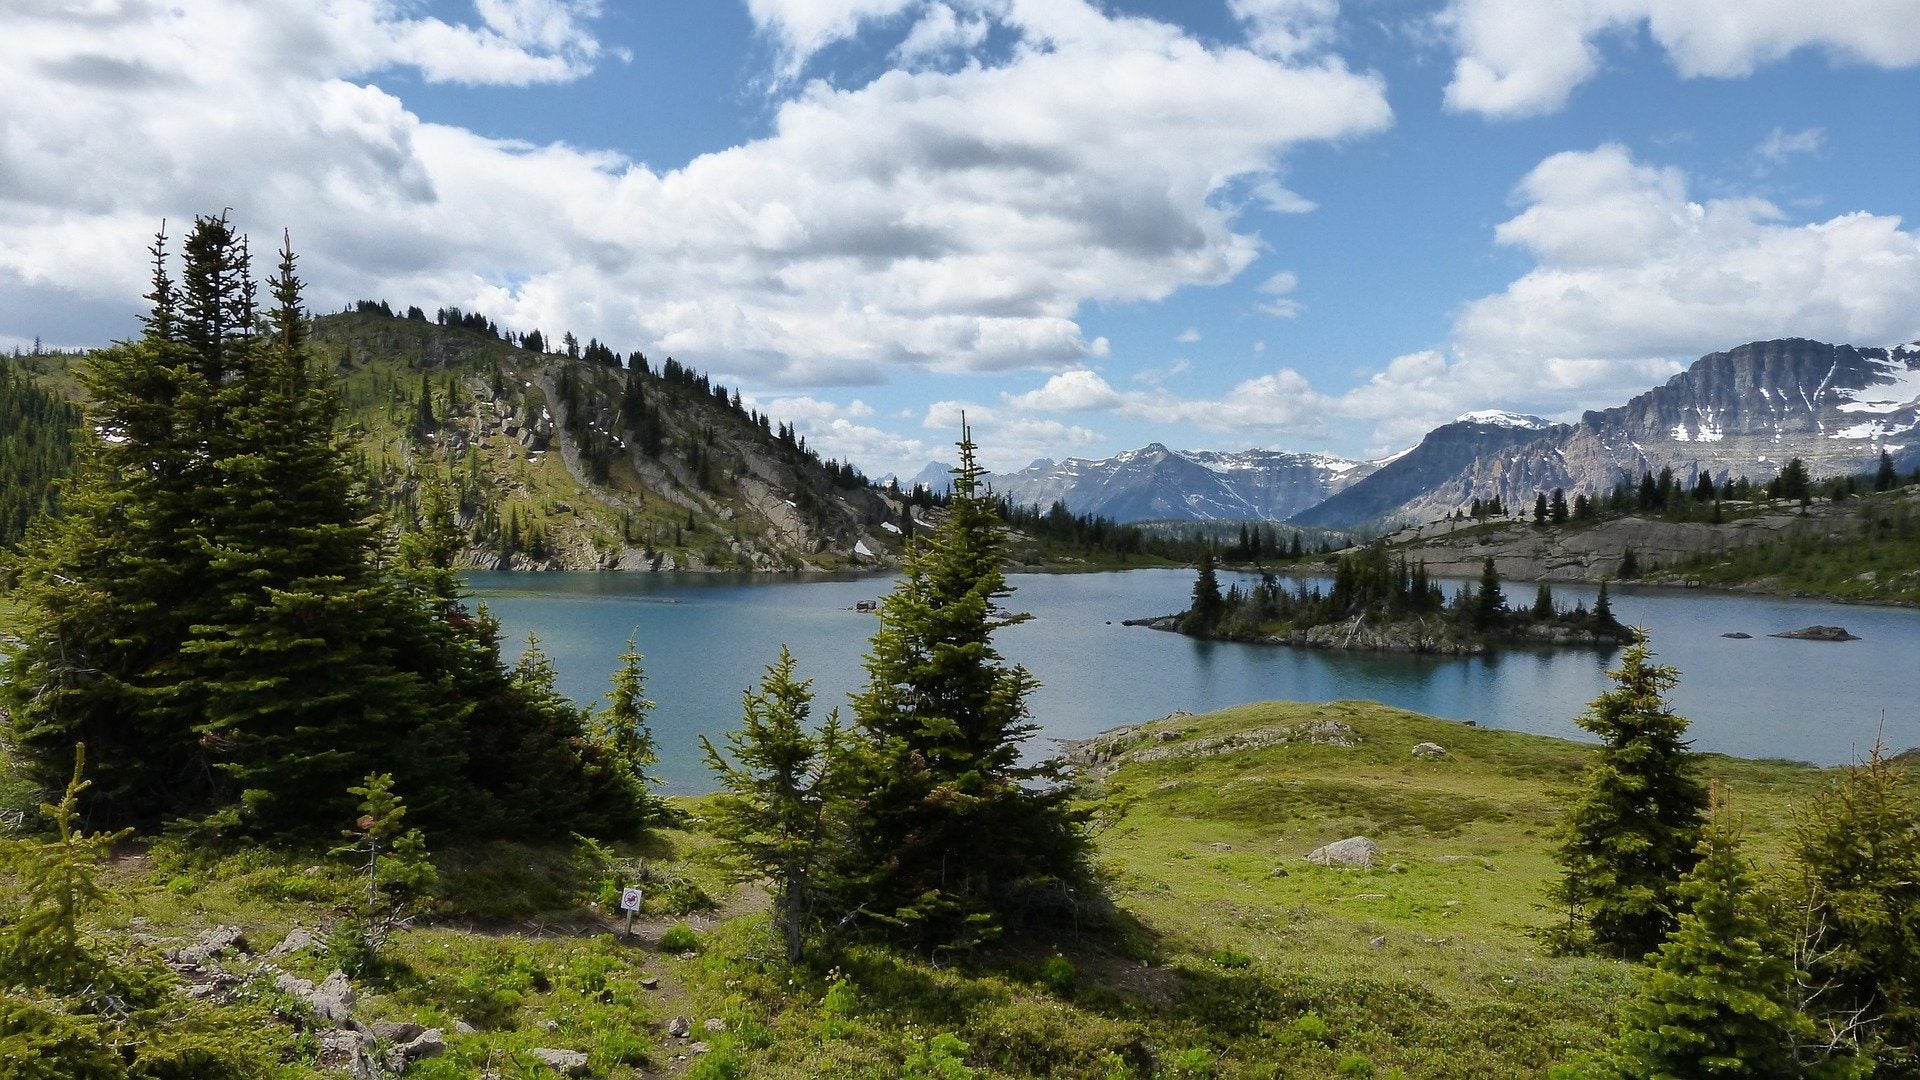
[1234, 956]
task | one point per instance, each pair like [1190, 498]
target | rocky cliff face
[1744, 412]
[1154, 483]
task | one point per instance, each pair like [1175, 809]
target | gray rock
[206, 948]
[333, 999]
[679, 1027]
[716, 1024]
[1818, 633]
[349, 1051]
[427, 1044]
[396, 1032]
[461, 1027]
[1355, 851]
[296, 941]
[564, 1062]
[1429, 750]
[1378, 942]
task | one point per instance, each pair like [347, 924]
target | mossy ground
[1233, 956]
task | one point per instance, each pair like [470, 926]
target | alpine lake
[708, 637]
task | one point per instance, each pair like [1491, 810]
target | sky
[1313, 225]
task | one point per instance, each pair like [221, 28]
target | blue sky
[1300, 224]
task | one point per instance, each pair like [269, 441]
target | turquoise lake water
[708, 637]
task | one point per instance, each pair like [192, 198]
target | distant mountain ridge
[1155, 483]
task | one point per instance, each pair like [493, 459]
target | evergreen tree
[1557, 509]
[778, 814]
[1603, 609]
[1858, 848]
[956, 837]
[1543, 602]
[1630, 833]
[623, 731]
[216, 617]
[1719, 999]
[1489, 603]
[1203, 615]
[1885, 477]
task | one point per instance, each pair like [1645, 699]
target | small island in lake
[1380, 602]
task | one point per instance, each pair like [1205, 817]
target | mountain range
[1743, 412]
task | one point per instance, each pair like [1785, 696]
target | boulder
[297, 940]
[331, 1001]
[1429, 750]
[1355, 851]
[396, 1032]
[564, 1062]
[429, 1043]
[679, 1027]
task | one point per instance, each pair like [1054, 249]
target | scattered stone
[1429, 750]
[1355, 851]
[461, 1027]
[564, 1062]
[697, 1048]
[395, 1031]
[1221, 847]
[1378, 942]
[1397, 868]
[1483, 863]
[679, 1027]
[208, 946]
[1818, 633]
[331, 1001]
[550, 1025]
[649, 983]
[1168, 736]
[1279, 871]
[348, 1051]
[429, 1043]
[1737, 635]
[296, 941]
[1371, 896]
[716, 1024]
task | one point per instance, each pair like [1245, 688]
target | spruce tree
[1489, 602]
[1858, 848]
[778, 812]
[1719, 1000]
[1629, 834]
[956, 836]
[622, 730]
[1203, 614]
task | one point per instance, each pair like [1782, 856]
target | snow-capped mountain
[1744, 412]
[1154, 483]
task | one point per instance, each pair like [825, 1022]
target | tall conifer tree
[1631, 832]
[957, 836]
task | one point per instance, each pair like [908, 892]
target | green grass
[1233, 956]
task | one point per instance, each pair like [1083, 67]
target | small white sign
[630, 898]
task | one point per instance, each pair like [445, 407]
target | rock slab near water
[1818, 633]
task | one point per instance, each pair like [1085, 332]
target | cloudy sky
[1299, 224]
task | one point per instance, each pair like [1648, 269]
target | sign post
[630, 898]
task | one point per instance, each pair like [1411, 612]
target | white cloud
[1188, 336]
[1277, 405]
[940, 32]
[1008, 439]
[1278, 288]
[1524, 57]
[1627, 266]
[1287, 28]
[1631, 280]
[1779, 145]
[804, 27]
[946, 220]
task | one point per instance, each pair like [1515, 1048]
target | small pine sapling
[395, 866]
[42, 946]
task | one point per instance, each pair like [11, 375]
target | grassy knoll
[1234, 957]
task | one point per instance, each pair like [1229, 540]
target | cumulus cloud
[936, 220]
[1278, 288]
[1627, 265]
[1525, 57]
[1633, 278]
[1281, 404]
